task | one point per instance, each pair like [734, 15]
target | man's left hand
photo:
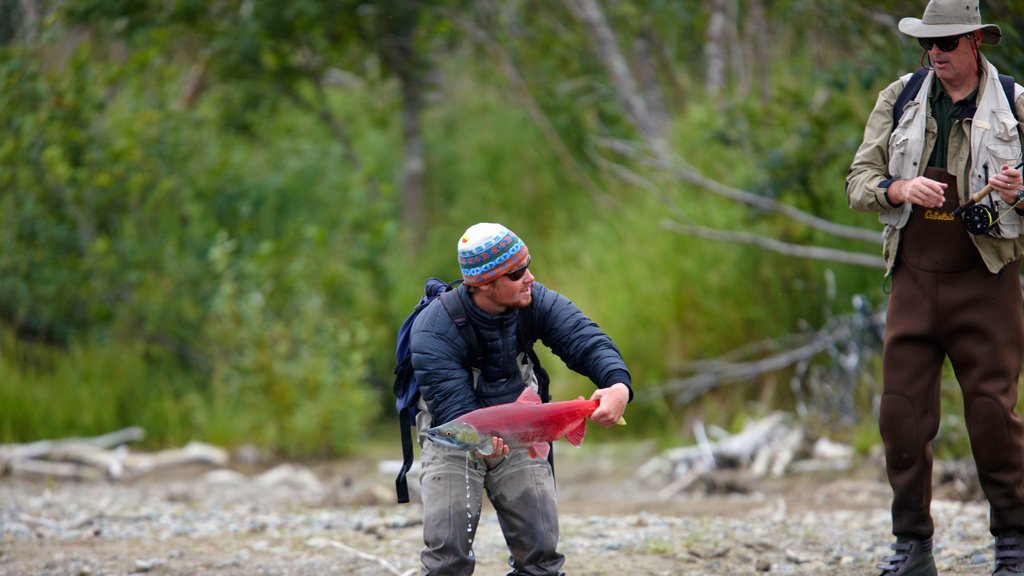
[613, 404]
[1007, 182]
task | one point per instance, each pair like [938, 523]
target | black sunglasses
[518, 273]
[946, 43]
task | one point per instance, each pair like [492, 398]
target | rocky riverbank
[338, 518]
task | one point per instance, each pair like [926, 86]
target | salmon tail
[575, 436]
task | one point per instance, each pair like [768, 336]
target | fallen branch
[768, 447]
[320, 543]
[193, 453]
[45, 447]
[713, 374]
[91, 458]
[67, 471]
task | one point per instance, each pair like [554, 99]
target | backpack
[913, 86]
[405, 387]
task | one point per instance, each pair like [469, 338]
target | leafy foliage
[201, 220]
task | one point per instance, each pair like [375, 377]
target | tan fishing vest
[994, 141]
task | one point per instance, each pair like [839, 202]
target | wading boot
[911, 558]
[1009, 554]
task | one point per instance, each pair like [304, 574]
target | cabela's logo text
[939, 215]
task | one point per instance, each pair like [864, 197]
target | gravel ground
[338, 518]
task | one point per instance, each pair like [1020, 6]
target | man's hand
[498, 452]
[613, 404]
[1007, 182]
[921, 191]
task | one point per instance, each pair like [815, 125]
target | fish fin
[529, 396]
[621, 421]
[485, 448]
[575, 436]
[540, 450]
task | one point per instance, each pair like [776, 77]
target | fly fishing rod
[980, 218]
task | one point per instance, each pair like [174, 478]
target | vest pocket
[1005, 126]
[1005, 153]
[899, 143]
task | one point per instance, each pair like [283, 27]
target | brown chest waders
[946, 303]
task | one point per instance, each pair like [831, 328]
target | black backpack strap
[910, 90]
[453, 305]
[1008, 88]
[401, 484]
[526, 334]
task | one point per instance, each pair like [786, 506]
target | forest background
[215, 215]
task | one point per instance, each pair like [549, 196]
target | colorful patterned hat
[488, 251]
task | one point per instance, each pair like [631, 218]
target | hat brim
[914, 27]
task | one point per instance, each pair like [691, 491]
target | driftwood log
[105, 456]
[769, 447]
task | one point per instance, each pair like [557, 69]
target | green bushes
[176, 276]
[221, 270]
[91, 389]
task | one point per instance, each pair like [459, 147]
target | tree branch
[690, 175]
[814, 252]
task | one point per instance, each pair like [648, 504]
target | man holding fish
[489, 408]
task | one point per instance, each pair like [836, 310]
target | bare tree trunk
[737, 60]
[756, 39]
[414, 163]
[674, 84]
[647, 75]
[29, 26]
[589, 13]
[397, 23]
[715, 47]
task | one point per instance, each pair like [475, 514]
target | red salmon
[527, 422]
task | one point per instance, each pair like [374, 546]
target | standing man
[498, 293]
[954, 294]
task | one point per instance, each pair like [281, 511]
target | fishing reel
[981, 218]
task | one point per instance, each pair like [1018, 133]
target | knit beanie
[488, 251]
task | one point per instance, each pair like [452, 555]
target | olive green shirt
[948, 115]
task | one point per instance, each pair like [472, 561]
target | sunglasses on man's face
[946, 44]
[518, 273]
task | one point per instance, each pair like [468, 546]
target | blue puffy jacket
[442, 364]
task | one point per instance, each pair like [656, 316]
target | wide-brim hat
[950, 18]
